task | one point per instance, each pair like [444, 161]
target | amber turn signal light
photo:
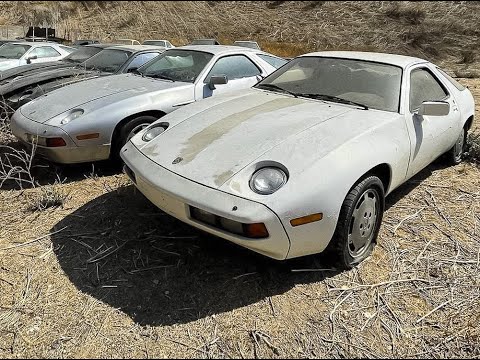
[88, 136]
[306, 219]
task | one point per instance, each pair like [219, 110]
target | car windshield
[82, 54]
[108, 60]
[367, 84]
[13, 51]
[176, 65]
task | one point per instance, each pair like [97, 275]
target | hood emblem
[177, 160]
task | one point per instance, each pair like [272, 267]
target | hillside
[440, 31]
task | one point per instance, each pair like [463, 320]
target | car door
[241, 71]
[43, 54]
[430, 136]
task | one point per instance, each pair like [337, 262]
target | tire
[356, 234]
[454, 156]
[127, 130]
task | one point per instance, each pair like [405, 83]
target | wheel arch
[122, 122]
[383, 172]
[469, 123]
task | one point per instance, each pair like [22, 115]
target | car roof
[102, 46]
[394, 59]
[39, 43]
[216, 49]
[155, 40]
[136, 47]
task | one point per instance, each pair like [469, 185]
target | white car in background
[165, 43]
[15, 54]
[91, 120]
[301, 163]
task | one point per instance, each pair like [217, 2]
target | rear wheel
[455, 154]
[358, 224]
[127, 131]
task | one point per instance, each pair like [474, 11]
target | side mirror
[217, 80]
[434, 108]
[30, 58]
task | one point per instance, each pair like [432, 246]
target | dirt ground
[108, 275]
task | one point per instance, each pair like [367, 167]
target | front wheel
[127, 131]
[358, 224]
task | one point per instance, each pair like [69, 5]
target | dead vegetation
[442, 32]
[95, 270]
[106, 274]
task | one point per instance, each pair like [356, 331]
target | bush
[473, 141]
[50, 197]
[408, 15]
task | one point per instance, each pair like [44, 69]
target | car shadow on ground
[121, 249]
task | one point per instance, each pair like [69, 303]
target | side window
[424, 87]
[44, 52]
[141, 59]
[274, 61]
[235, 67]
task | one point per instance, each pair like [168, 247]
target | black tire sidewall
[345, 260]
[453, 158]
[125, 130]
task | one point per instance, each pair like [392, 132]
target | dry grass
[109, 275]
[438, 31]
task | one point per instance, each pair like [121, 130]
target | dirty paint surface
[199, 141]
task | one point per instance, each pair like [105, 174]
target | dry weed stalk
[16, 165]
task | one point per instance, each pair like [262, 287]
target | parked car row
[91, 61]
[284, 158]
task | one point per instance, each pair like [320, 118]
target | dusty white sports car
[301, 163]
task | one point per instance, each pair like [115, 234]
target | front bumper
[21, 127]
[175, 194]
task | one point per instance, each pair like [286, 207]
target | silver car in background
[93, 119]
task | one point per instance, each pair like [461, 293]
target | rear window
[452, 80]
[82, 54]
[272, 60]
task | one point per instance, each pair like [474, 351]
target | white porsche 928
[301, 162]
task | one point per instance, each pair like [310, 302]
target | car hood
[109, 88]
[40, 77]
[8, 63]
[215, 144]
[24, 70]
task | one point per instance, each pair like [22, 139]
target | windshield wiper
[275, 87]
[159, 76]
[333, 99]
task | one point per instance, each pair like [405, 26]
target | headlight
[267, 180]
[71, 116]
[155, 130]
